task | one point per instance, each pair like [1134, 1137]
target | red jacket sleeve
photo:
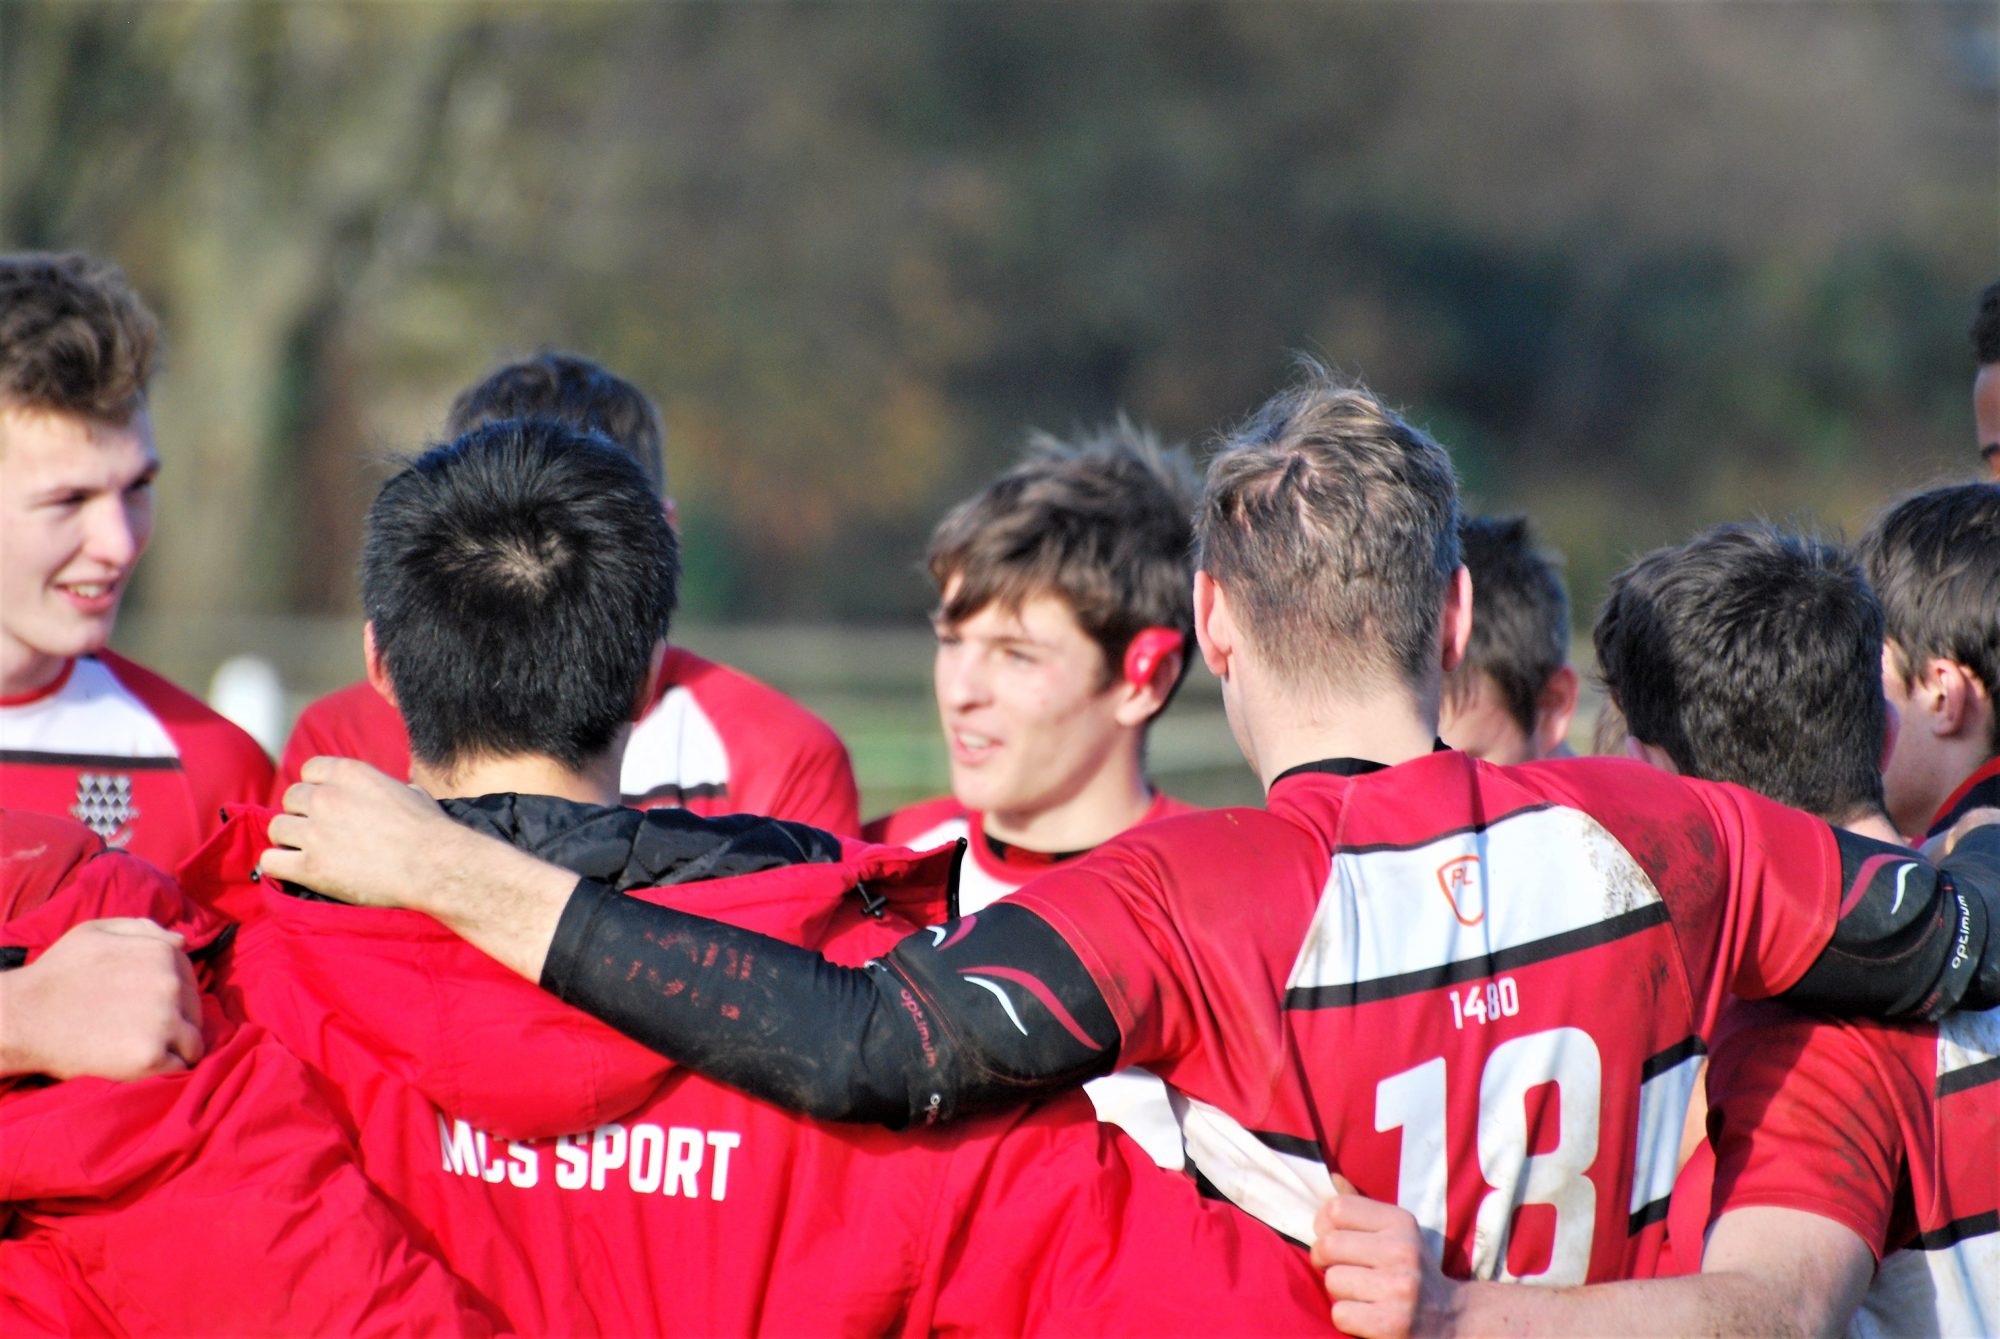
[1060, 1225]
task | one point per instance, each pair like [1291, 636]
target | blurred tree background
[1640, 265]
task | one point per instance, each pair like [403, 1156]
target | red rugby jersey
[1890, 1130]
[715, 741]
[144, 765]
[1479, 992]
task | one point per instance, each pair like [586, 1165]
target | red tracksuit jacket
[584, 1185]
[219, 1200]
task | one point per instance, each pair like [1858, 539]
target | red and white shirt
[715, 741]
[1892, 1131]
[144, 765]
[1479, 992]
[1133, 1099]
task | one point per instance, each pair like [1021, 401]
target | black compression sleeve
[1974, 866]
[905, 1041]
[1911, 937]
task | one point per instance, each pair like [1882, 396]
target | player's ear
[378, 671]
[1958, 698]
[1455, 627]
[1555, 706]
[1214, 628]
[649, 689]
[672, 511]
[1151, 669]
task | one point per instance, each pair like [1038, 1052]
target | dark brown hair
[74, 337]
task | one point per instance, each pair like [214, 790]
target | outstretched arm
[1765, 1271]
[1912, 941]
[989, 1010]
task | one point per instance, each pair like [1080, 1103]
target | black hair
[1935, 560]
[576, 392]
[1986, 327]
[518, 579]
[1520, 616]
[1753, 655]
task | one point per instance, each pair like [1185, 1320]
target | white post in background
[248, 691]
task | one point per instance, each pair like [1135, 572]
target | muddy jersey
[715, 741]
[1134, 1100]
[117, 748]
[1479, 992]
[1892, 1131]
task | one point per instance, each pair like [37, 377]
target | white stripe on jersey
[1281, 1189]
[1968, 1039]
[675, 747]
[92, 715]
[1663, 1108]
[1528, 877]
[1953, 1291]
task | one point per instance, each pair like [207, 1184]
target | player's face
[1028, 720]
[1986, 414]
[1910, 787]
[76, 510]
[1478, 722]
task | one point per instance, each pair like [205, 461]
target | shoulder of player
[737, 704]
[206, 738]
[913, 820]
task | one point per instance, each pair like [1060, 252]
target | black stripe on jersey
[1649, 1214]
[1944, 1238]
[1434, 838]
[100, 761]
[1208, 1190]
[1681, 1050]
[673, 790]
[12, 956]
[1972, 1076]
[1472, 969]
[1291, 1144]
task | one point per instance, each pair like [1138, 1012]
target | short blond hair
[1334, 527]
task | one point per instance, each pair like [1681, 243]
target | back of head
[1753, 656]
[1520, 615]
[1934, 560]
[571, 390]
[1333, 526]
[517, 580]
[1100, 522]
[74, 337]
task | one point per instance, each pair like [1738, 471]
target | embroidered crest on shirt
[104, 805]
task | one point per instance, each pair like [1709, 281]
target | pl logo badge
[104, 805]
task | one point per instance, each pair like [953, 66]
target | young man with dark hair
[1749, 655]
[83, 731]
[1934, 559]
[1062, 627]
[713, 740]
[1511, 699]
[1470, 988]
[579, 1181]
[1986, 381]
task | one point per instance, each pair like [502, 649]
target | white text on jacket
[667, 1160]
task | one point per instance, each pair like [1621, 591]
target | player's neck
[25, 671]
[1387, 727]
[1108, 802]
[1873, 823]
[529, 774]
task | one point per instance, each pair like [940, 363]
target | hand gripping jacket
[222, 1199]
[586, 1184]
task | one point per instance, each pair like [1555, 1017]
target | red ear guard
[1148, 648]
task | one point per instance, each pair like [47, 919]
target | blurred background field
[1641, 265]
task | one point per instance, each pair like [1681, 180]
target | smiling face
[76, 511]
[1030, 723]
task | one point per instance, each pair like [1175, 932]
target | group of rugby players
[617, 1020]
